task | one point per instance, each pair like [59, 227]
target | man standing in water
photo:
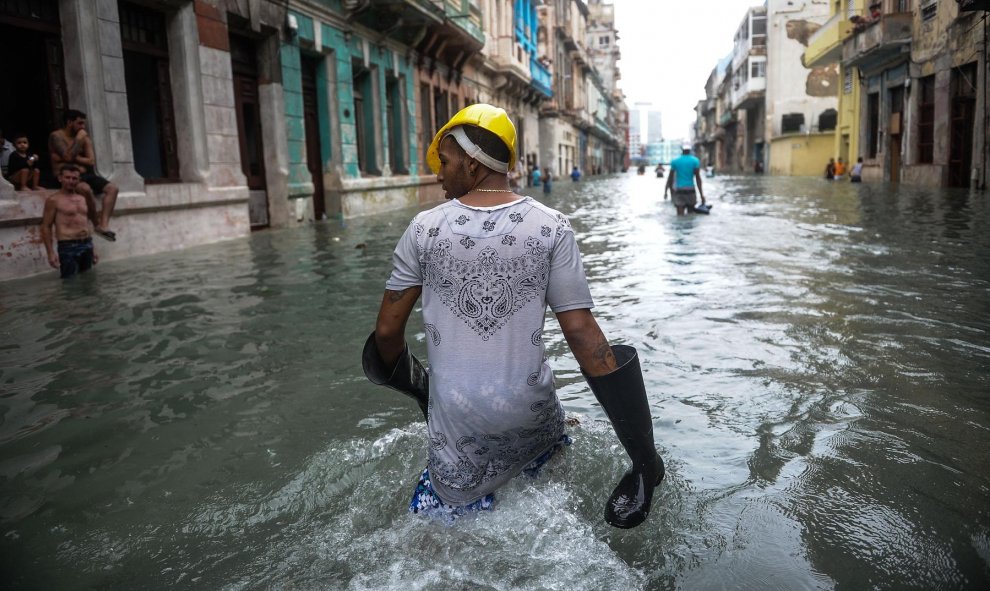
[488, 263]
[67, 211]
[685, 171]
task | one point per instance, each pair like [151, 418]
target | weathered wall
[791, 87]
[800, 154]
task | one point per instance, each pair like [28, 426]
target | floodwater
[817, 357]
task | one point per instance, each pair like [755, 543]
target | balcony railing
[825, 44]
[747, 92]
[878, 39]
[541, 77]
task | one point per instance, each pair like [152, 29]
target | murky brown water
[817, 355]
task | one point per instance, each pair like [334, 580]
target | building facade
[748, 90]
[216, 117]
[801, 102]
[912, 99]
[946, 119]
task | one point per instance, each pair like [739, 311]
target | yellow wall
[801, 154]
[847, 129]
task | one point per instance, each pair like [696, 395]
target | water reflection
[817, 357]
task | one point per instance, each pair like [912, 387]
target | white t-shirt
[488, 275]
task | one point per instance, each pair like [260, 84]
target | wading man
[488, 263]
[72, 145]
[66, 210]
[685, 171]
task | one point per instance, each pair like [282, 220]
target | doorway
[962, 117]
[247, 104]
[311, 120]
[35, 99]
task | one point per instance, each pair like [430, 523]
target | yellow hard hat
[494, 119]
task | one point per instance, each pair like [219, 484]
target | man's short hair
[69, 168]
[17, 135]
[489, 143]
[72, 115]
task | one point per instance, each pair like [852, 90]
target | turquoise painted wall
[343, 51]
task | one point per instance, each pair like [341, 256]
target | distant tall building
[654, 128]
[635, 131]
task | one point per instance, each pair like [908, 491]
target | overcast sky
[669, 48]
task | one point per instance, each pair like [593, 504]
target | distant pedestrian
[547, 182]
[830, 169]
[575, 174]
[537, 176]
[840, 169]
[856, 174]
[685, 171]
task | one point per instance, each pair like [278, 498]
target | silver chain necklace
[492, 190]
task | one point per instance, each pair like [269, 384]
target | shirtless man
[72, 145]
[67, 210]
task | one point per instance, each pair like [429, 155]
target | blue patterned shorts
[425, 500]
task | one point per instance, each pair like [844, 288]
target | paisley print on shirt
[485, 291]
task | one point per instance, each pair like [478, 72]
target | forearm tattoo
[603, 353]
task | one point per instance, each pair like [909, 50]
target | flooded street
[817, 357]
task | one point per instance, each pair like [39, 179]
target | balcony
[433, 28]
[875, 44]
[825, 44]
[970, 5]
[748, 94]
[541, 78]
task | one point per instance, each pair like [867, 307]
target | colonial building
[603, 47]
[519, 76]
[945, 143]
[801, 103]
[748, 89]
[911, 102]
[218, 116]
[185, 109]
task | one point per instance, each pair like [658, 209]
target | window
[792, 123]
[873, 124]
[926, 119]
[758, 69]
[149, 92]
[393, 114]
[827, 120]
[440, 104]
[364, 124]
[759, 25]
[426, 129]
[847, 81]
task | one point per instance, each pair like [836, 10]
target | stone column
[94, 75]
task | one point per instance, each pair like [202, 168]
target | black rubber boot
[623, 396]
[408, 377]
